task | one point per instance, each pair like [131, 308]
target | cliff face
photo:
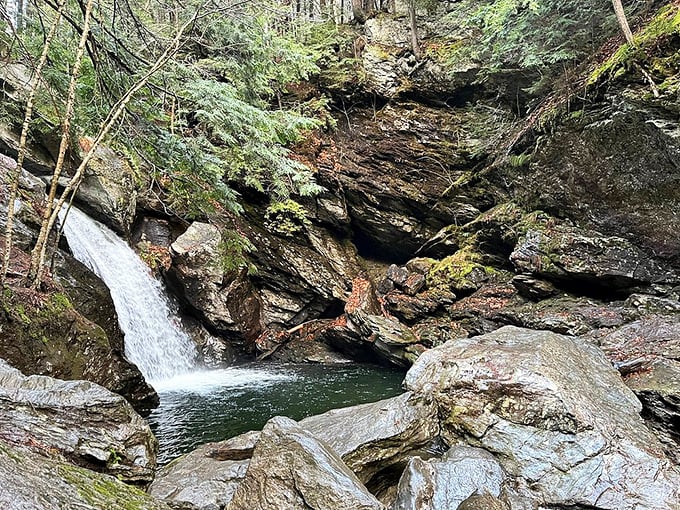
[495, 183]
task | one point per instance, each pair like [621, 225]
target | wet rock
[567, 315]
[83, 421]
[302, 277]
[657, 384]
[647, 338]
[483, 502]
[45, 335]
[647, 353]
[213, 351]
[414, 284]
[534, 288]
[31, 195]
[519, 394]
[208, 476]
[388, 336]
[397, 274]
[155, 231]
[486, 309]
[560, 252]
[372, 438]
[646, 304]
[396, 173]
[447, 482]
[226, 302]
[308, 344]
[615, 168]
[413, 308]
[107, 193]
[32, 480]
[291, 469]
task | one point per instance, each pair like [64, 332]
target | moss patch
[461, 272]
[655, 47]
[105, 492]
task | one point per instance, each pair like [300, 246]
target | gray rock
[397, 274]
[657, 385]
[483, 502]
[208, 476]
[107, 192]
[615, 168]
[226, 302]
[83, 421]
[533, 288]
[445, 483]
[31, 481]
[555, 414]
[374, 437]
[560, 252]
[291, 469]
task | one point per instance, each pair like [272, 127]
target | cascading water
[153, 339]
[206, 405]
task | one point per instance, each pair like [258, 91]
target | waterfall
[154, 340]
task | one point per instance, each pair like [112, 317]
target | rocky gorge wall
[536, 296]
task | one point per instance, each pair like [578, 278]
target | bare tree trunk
[358, 11]
[37, 256]
[628, 34]
[106, 126]
[23, 138]
[623, 21]
[415, 44]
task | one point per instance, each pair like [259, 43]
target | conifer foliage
[190, 91]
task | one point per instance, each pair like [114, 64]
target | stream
[218, 404]
[200, 406]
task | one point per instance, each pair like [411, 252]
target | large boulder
[41, 480]
[208, 476]
[555, 414]
[445, 483]
[225, 301]
[292, 469]
[84, 422]
[374, 437]
[107, 192]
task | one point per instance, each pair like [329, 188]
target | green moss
[104, 492]
[444, 51]
[461, 271]
[665, 24]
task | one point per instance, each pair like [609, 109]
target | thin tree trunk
[21, 151]
[623, 21]
[106, 126]
[628, 34]
[37, 256]
[415, 44]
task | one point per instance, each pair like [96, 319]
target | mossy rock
[44, 334]
[30, 480]
[461, 272]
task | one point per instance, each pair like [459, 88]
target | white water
[154, 340]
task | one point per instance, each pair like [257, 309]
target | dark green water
[219, 404]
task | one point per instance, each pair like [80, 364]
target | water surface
[214, 405]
